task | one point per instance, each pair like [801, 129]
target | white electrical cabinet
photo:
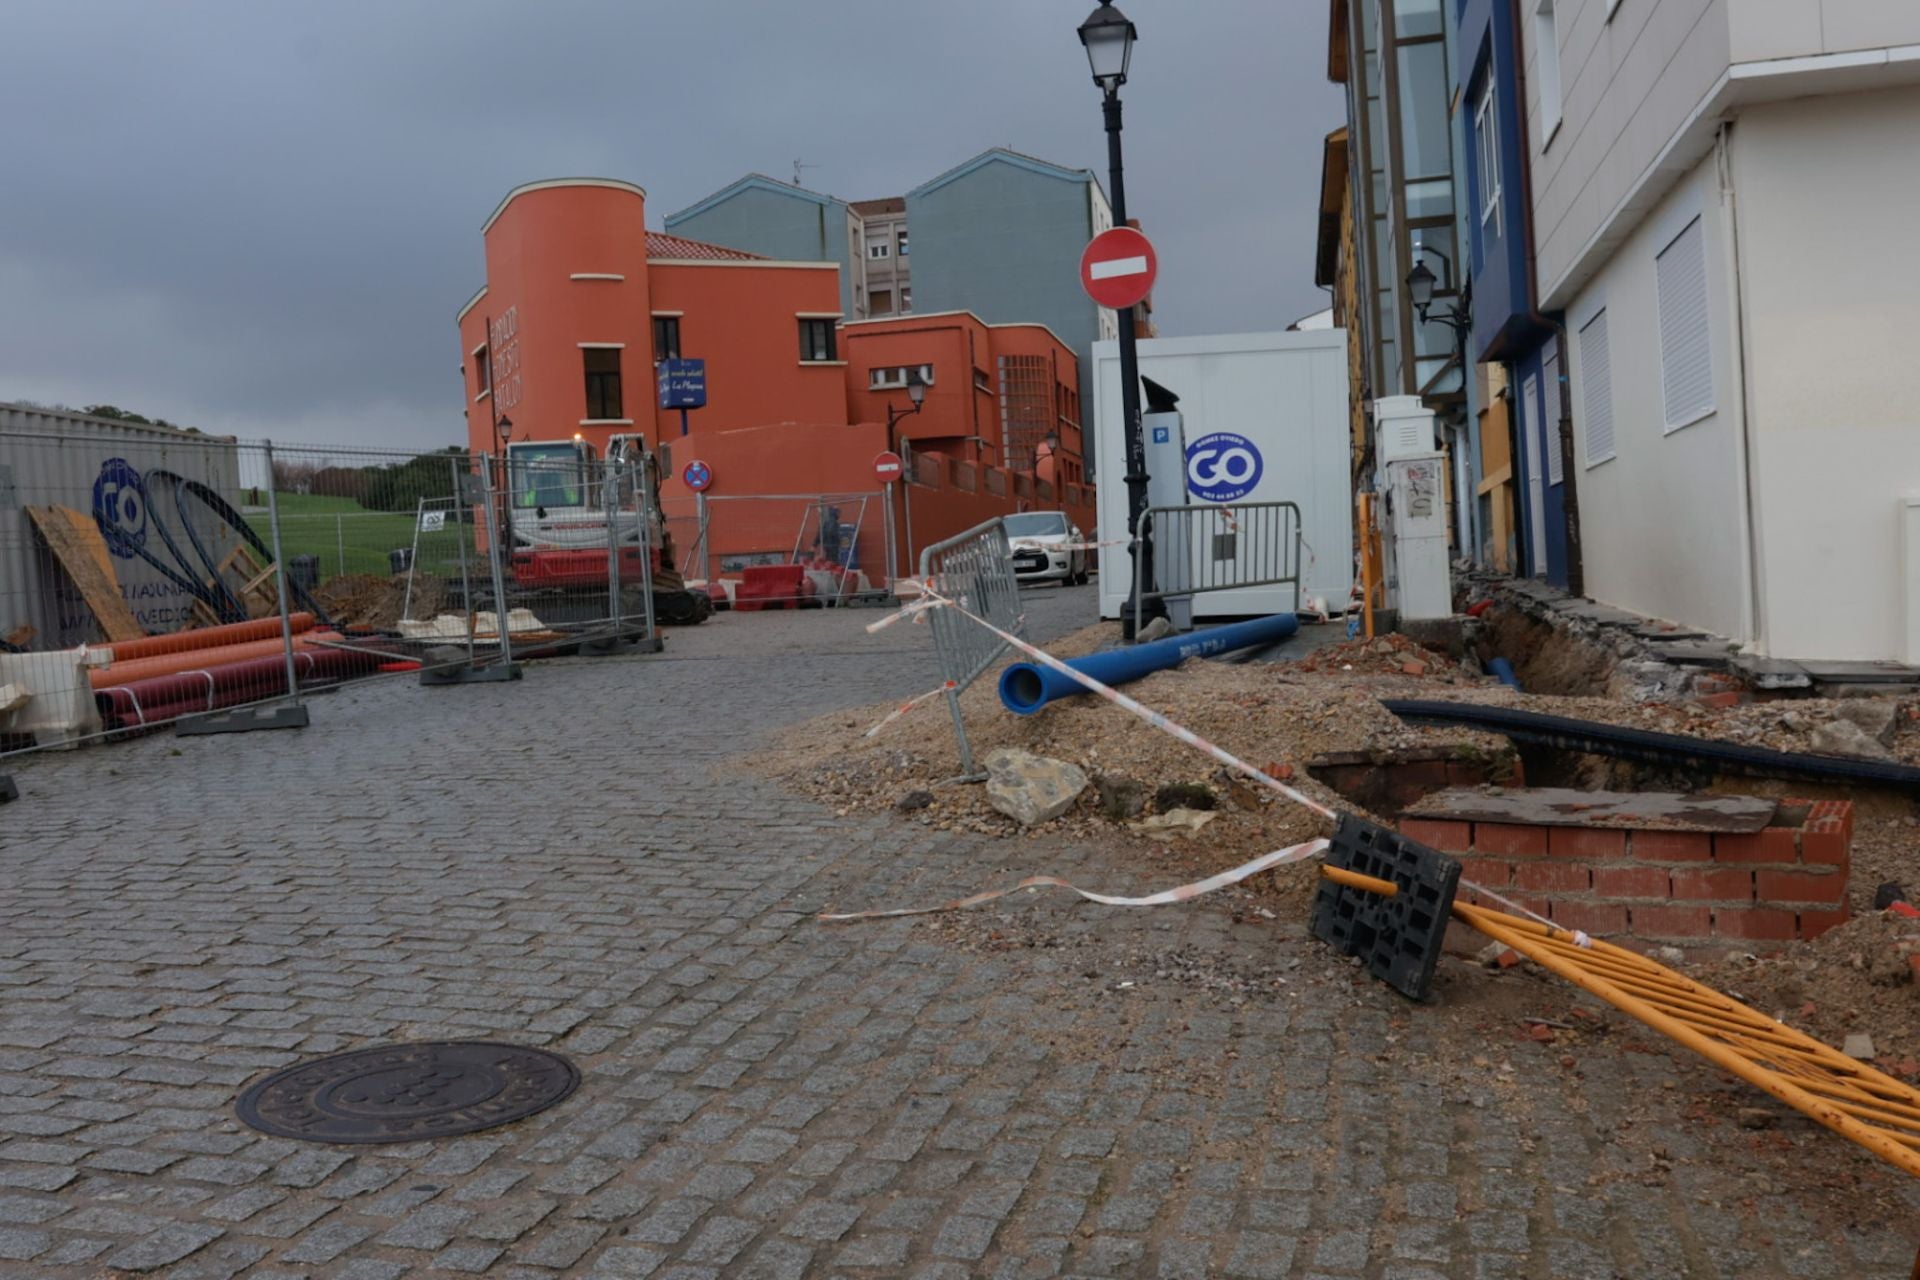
[1415, 488]
[1280, 401]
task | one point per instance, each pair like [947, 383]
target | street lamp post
[1109, 37]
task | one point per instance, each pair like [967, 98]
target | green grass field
[350, 539]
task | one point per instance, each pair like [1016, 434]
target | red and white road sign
[1118, 268]
[887, 467]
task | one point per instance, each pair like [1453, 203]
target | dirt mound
[363, 600]
[1857, 978]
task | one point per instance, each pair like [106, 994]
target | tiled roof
[886, 204]
[662, 245]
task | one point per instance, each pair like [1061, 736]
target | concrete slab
[1695, 653]
[1563, 807]
[1862, 672]
[1771, 673]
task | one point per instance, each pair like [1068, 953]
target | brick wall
[1786, 881]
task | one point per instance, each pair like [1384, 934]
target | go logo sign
[1223, 467]
[120, 507]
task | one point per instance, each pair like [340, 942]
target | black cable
[238, 523]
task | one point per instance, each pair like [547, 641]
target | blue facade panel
[1003, 240]
[760, 216]
[1485, 58]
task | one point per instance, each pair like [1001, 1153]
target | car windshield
[1036, 524]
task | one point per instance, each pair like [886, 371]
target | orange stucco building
[581, 300]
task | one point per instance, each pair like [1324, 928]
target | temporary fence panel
[1243, 547]
[975, 570]
[790, 550]
[153, 575]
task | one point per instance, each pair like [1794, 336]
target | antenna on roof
[797, 167]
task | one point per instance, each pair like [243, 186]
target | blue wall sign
[120, 507]
[1223, 467]
[683, 384]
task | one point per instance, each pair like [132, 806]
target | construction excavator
[568, 508]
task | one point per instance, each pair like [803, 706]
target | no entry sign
[1118, 268]
[697, 475]
[886, 467]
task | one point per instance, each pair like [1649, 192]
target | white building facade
[1724, 197]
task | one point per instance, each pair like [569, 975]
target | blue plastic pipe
[1503, 671]
[1025, 687]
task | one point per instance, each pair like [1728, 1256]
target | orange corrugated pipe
[205, 637]
[168, 664]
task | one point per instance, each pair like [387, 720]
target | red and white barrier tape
[1279, 857]
[907, 706]
[1145, 713]
[933, 599]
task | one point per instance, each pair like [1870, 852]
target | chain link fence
[151, 576]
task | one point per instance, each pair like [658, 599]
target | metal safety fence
[786, 551]
[975, 570]
[1199, 549]
[155, 577]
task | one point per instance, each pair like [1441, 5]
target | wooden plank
[76, 542]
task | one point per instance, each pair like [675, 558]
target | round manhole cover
[406, 1092]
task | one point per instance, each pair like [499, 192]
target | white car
[1047, 547]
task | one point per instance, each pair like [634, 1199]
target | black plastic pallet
[1398, 937]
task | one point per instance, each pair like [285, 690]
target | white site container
[1286, 394]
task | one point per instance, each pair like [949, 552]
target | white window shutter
[1596, 389]
[1686, 346]
[1550, 386]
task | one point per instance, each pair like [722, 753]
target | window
[981, 382]
[482, 371]
[1546, 40]
[879, 249]
[666, 337]
[906, 299]
[603, 381]
[1550, 391]
[901, 241]
[880, 302]
[1486, 151]
[817, 341]
[1426, 142]
[1596, 371]
[1686, 348]
[895, 376]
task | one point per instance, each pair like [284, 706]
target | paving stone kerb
[558, 863]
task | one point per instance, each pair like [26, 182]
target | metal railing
[1197, 549]
[975, 570]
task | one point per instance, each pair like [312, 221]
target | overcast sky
[260, 218]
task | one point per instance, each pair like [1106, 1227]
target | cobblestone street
[570, 862]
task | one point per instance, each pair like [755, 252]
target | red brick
[1713, 884]
[1447, 837]
[1598, 918]
[1673, 846]
[1671, 922]
[1761, 924]
[1553, 877]
[1720, 699]
[1491, 872]
[1815, 923]
[1464, 773]
[1631, 882]
[1773, 844]
[1800, 886]
[1586, 842]
[1499, 837]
